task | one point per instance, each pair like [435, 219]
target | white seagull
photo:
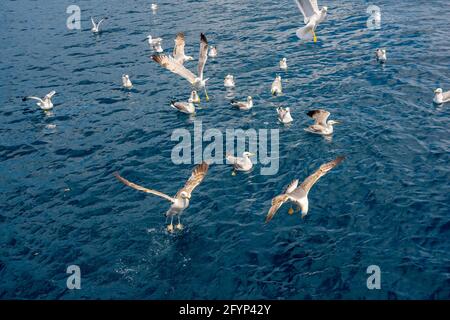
[283, 64]
[154, 7]
[178, 50]
[181, 200]
[299, 194]
[229, 81]
[194, 98]
[213, 52]
[45, 103]
[96, 26]
[243, 105]
[312, 17]
[155, 43]
[321, 125]
[380, 54]
[284, 115]
[172, 65]
[126, 82]
[184, 107]
[241, 163]
[277, 88]
[440, 96]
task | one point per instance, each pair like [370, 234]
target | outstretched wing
[323, 170]
[32, 98]
[277, 202]
[50, 94]
[138, 187]
[197, 176]
[170, 64]
[307, 7]
[178, 50]
[98, 25]
[320, 116]
[291, 186]
[203, 55]
[93, 23]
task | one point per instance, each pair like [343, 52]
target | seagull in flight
[197, 81]
[96, 26]
[178, 50]
[312, 17]
[45, 103]
[180, 201]
[321, 125]
[299, 194]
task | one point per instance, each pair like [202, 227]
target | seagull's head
[185, 195]
[249, 99]
[125, 76]
[248, 154]
[333, 122]
[438, 91]
[288, 109]
[229, 77]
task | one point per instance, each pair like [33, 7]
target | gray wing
[307, 7]
[182, 106]
[170, 64]
[98, 24]
[323, 170]
[197, 176]
[446, 96]
[320, 116]
[291, 186]
[239, 104]
[203, 55]
[50, 95]
[178, 50]
[33, 98]
[236, 161]
[281, 113]
[138, 187]
[93, 22]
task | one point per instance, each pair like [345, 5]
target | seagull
[321, 125]
[194, 98]
[440, 96]
[181, 200]
[229, 81]
[172, 65]
[185, 107]
[284, 115]
[45, 103]
[312, 17]
[299, 194]
[380, 54]
[155, 43]
[178, 50]
[126, 82]
[283, 64]
[213, 52]
[154, 7]
[243, 105]
[96, 26]
[241, 163]
[276, 86]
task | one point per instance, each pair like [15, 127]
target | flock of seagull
[295, 193]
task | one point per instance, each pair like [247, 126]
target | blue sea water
[385, 205]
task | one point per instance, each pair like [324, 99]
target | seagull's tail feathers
[304, 33]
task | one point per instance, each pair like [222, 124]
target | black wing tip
[203, 38]
[312, 113]
[339, 159]
[24, 99]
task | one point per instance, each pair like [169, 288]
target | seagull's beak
[252, 154]
[337, 122]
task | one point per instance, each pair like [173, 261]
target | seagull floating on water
[172, 65]
[213, 52]
[380, 54]
[284, 115]
[283, 64]
[194, 98]
[440, 96]
[96, 26]
[154, 7]
[241, 163]
[243, 105]
[178, 50]
[299, 194]
[181, 200]
[155, 43]
[126, 82]
[276, 86]
[229, 81]
[45, 103]
[312, 17]
[184, 107]
[321, 125]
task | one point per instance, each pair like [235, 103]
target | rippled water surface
[387, 204]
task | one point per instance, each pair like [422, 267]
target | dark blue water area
[385, 205]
